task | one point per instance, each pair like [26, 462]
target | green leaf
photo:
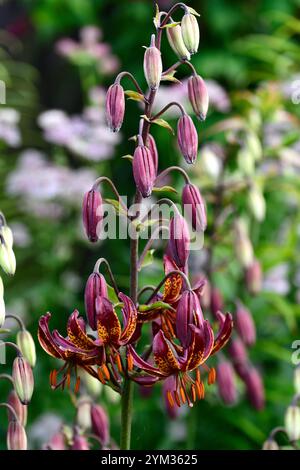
[171, 25]
[145, 117]
[112, 296]
[147, 260]
[170, 78]
[116, 204]
[162, 123]
[128, 157]
[156, 18]
[134, 95]
[155, 306]
[168, 189]
[192, 11]
[4, 330]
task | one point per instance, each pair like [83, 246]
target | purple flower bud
[80, 443]
[144, 172]
[255, 388]
[198, 96]
[151, 144]
[20, 409]
[16, 436]
[245, 325]
[23, 379]
[95, 286]
[216, 301]
[190, 32]
[194, 205]
[92, 213]
[179, 242]
[188, 313]
[152, 65]
[253, 277]
[115, 107]
[226, 382]
[239, 357]
[100, 424]
[187, 138]
[57, 442]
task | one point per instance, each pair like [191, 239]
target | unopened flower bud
[257, 203]
[100, 424]
[115, 107]
[253, 277]
[216, 301]
[112, 396]
[176, 42]
[27, 347]
[7, 258]
[93, 385]
[80, 442]
[23, 379]
[7, 235]
[226, 382]
[292, 422]
[187, 138]
[255, 388]
[16, 436]
[2, 304]
[151, 144]
[245, 325]
[20, 409]
[194, 206]
[92, 214]
[190, 32]
[243, 246]
[95, 286]
[152, 65]
[239, 357]
[198, 96]
[144, 171]
[83, 416]
[57, 442]
[188, 313]
[179, 242]
[270, 444]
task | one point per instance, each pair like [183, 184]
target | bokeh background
[54, 142]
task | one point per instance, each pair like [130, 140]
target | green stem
[126, 417]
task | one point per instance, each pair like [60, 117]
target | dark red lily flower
[176, 363]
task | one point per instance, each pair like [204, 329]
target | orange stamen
[199, 389]
[129, 362]
[182, 394]
[77, 385]
[170, 399]
[193, 390]
[211, 376]
[53, 378]
[101, 377]
[198, 376]
[119, 363]
[106, 372]
[68, 379]
[176, 397]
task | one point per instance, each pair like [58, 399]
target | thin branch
[134, 81]
[162, 111]
[114, 189]
[96, 270]
[18, 320]
[173, 168]
[149, 244]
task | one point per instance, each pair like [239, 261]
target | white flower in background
[9, 130]
[276, 280]
[85, 135]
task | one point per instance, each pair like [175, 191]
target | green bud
[23, 379]
[190, 32]
[257, 203]
[175, 39]
[26, 345]
[7, 236]
[292, 422]
[243, 246]
[7, 258]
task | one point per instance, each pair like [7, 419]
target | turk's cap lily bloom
[176, 362]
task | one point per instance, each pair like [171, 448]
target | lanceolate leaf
[170, 78]
[116, 204]
[162, 189]
[165, 124]
[134, 95]
[155, 306]
[171, 25]
[128, 157]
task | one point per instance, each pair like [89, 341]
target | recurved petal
[76, 332]
[129, 312]
[142, 364]
[164, 355]
[46, 339]
[108, 325]
[201, 345]
[173, 284]
[226, 325]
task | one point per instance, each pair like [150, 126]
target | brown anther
[119, 363]
[68, 381]
[170, 399]
[211, 376]
[182, 394]
[53, 378]
[193, 390]
[129, 362]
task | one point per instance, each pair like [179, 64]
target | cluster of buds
[291, 428]
[183, 340]
[7, 260]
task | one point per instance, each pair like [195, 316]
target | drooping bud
[80, 442]
[255, 388]
[245, 325]
[16, 436]
[188, 313]
[2, 304]
[57, 442]
[95, 286]
[27, 347]
[226, 382]
[20, 409]
[257, 203]
[198, 96]
[115, 107]
[152, 65]
[179, 242]
[7, 258]
[216, 301]
[238, 356]
[23, 379]
[112, 396]
[187, 138]
[190, 32]
[83, 416]
[100, 424]
[92, 214]
[243, 246]
[144, 171]
[151, 144]
[292, 422]
[7, 235]
[176, 42]
[93, 386]
[253, 276]
[194, 206]
[270, 444]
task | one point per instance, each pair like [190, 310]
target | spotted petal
[45, 338]
[201, 345]
[129, 312]
[173, 284]
[108, 325]
[226, 325]
[77, 334]
[164, 355]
